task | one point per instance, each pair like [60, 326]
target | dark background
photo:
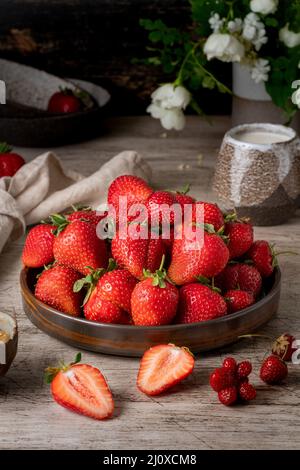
[95, 40]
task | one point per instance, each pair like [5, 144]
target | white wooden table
[190, 417]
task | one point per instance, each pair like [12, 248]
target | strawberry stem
[60, 222]
[160, 275]
[51, 372]
[5, 148]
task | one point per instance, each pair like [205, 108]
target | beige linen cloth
[43, 186]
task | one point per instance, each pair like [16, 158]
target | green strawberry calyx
[51, 372]
[90, 281]
[60, 222]
[5, 148]
[208, 283]
[160, 277]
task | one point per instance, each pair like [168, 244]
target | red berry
[10, 162]
[229, 363]
[64, 102]
[273, 370]
[244, 369]
[262, 255]
[240, 238]
[222, 378]
[238, 300]
[283, 347]
[228, 396]
[246, 391]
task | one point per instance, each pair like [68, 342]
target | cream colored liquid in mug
[261, 137]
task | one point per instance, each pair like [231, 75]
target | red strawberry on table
[228, 396]
[199, 303]
[154, 300]
[263, 257]
[283, 347]
[162, 367]
[135, 189]
[240, 235]
[77, 245]
[273, 370]
[10, 162]
[238, 299]
[55, 288]
[190, 259]
[137, 254]
[81, 388]
[64, 101]
[222, 378]
[38, 247]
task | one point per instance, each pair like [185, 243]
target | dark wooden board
[95, 40]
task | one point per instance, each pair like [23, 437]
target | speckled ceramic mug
[258, 172]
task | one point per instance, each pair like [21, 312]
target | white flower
[235, 26]
[224, 47]
[216, 22]
[168, 103]
[254, 30]
[296, 97]
[265, 7]
[288, 37]
[260, 70]
[172, 97]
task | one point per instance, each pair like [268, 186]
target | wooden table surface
[190, 417]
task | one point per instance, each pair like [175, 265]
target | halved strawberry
[81, 388]
[162, 367]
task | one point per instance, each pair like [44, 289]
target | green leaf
[77, 358]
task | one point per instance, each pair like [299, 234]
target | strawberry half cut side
[162, 367]
[81, 388]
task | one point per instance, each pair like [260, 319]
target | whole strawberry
[199, 303]
[10, 162]
[55, 288]
[86, 214]
[77, 245]
[133, 188]
[273, 370]
[238, 300]
[182, 197]
[240, 276]
[108, 298]
[212, 214]
[137, 254]
[240, 235]
[263, 257]
[283, 347]
[159, 207]
[154, 300]
[38, 247]
[191, 259]
[64, 101]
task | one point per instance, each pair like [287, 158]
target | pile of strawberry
[154, 281]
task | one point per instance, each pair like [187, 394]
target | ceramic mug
[258, 172]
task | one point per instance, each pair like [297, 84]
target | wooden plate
[128, 340]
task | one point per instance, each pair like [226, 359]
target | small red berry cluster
[231, 382]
